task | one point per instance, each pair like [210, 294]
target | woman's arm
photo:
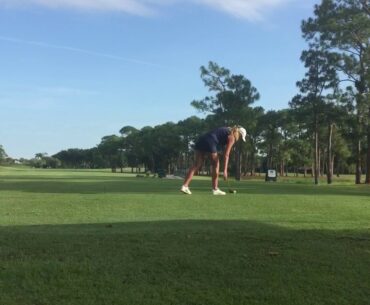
[229, 145]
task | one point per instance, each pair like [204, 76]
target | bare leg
[215, 170]
[199, 158]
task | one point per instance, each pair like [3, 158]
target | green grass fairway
[92, 237]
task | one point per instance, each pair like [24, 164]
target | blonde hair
[235, 132]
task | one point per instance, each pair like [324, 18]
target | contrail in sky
[78, 50]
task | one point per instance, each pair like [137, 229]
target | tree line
[324, 131]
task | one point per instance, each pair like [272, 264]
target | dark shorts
[206, 144]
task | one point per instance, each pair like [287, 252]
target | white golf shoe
[185, 190]
[218, 192]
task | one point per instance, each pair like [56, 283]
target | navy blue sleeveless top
[213, 140]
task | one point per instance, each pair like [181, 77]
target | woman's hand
[225, 175]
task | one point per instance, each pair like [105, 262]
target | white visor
[242, 132]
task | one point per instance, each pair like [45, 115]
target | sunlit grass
[94, 237]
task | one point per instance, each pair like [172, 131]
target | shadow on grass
[102, 184]
[182, 262]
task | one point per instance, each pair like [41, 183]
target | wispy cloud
[137, 7]
[252, 10]
[77, 50]
[248, 9]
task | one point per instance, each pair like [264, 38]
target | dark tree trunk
[253, 163]
[317, 156]
[269, 160]
[367, 180]
[360, 86]
[282, 167]
[329, 171]
[358, 162]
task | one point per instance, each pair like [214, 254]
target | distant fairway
[93, 237]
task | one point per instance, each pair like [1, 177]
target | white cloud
[137, 7]
[248, 9]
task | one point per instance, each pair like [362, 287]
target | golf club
[230, 189]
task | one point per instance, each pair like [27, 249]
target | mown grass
[92, 237]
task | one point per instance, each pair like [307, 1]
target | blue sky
[73, 71]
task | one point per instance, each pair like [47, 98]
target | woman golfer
[207, 145]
